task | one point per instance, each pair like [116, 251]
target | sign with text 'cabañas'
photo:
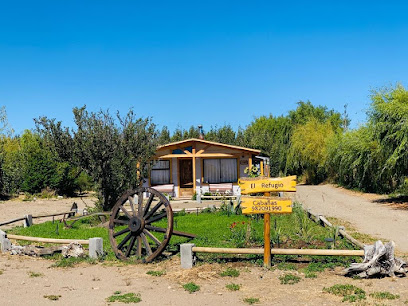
[265, 205]
[265, 184]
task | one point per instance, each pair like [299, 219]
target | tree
[164, 136]
[114, 151]
[388, 116]
[308, 150]
[39, 164]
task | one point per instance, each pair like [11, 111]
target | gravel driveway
[367, 216]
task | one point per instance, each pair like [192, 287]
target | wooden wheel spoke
[121, 232]
[131, 229]
[140, 204]
[124, 222]
[125, 212]
[146, 244]
[154, 209]
[151, 236]
[132, 205]
[139, 246]
[131, 245]
[156, 218]
[149, 202]
[126, 239]
[156, 229]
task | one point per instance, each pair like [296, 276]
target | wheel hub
[135, 224]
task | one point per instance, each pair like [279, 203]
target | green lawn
[213, 229]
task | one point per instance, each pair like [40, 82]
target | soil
[88, 284]
[91, 284]
[375, 215]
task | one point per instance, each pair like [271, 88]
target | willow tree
[388, 116]
[308, 149]
[113, 150]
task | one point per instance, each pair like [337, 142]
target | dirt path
[92, 284]
[363, 211]
[17, 208]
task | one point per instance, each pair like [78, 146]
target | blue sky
[197, 62]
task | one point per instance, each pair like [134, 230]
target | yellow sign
[265, 184]
[265, 205]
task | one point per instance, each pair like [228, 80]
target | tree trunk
[378, 261]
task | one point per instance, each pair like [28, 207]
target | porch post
[194, 170]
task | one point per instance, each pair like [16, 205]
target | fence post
[28, 220]
[186, 255]
[5, 243]
[95, 247]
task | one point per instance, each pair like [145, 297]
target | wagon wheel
[132, 228]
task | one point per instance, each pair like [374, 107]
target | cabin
[196, 166]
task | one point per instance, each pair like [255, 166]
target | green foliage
[233, 287]
[350, 293]
[251, 300]
[191, 287]
[308, 150]
[374, 157]
[310, 275]
[286, 266]
[126, 298]
[289, 279]
[384, 295]
[230, 272]
[114, 151]
[35, 274]
[52, 297]
[253, 172]
[156, 273]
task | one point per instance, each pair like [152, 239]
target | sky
[192, 62]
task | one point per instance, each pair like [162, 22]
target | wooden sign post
[266, 205]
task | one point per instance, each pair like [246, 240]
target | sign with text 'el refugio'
[265, 184]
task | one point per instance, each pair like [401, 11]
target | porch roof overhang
[200, 148]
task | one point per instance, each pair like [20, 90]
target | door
[186, 173]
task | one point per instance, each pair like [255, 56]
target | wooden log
[379, 260]
[342, 231]
[47, 240]
[311, 252]
[325, 221]
[12, 221]
[52, 215]
[351, 239]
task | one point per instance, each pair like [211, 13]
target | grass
[350, 293]
[156, 273]
[191, 287]
[286, 266]
[233, 287]
[52, 297]
[251, 300]
[289, 279]
[310, 275]
[384, 295]
[231, 272]
[72, 261]
[35, 274]
[1, 272]
[126, 298]
[213, 229]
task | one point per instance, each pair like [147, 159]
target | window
[220, 170]
[160, 173]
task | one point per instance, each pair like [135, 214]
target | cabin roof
[206, 142]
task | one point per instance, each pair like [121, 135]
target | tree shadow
[398, 203]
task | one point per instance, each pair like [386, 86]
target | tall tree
[114, 151]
